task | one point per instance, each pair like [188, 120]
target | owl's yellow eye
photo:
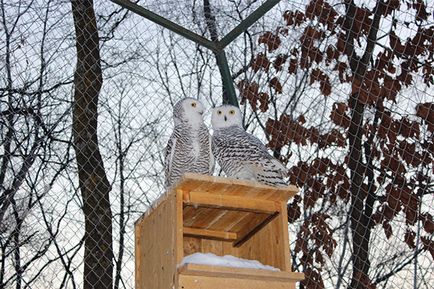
[193, 104]
[219, 112]
[232, 111]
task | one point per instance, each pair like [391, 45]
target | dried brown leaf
[275, 83]
[409, 237]
[387, 230]
[280, 61]
[260, 62]
[271, 40]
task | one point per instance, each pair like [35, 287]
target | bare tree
[94, 185]
[34, 143]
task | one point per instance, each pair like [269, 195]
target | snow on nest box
[226, 261]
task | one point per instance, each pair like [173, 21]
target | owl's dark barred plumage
[189, 147]
[240, 154]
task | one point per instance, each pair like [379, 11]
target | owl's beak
[226, 118]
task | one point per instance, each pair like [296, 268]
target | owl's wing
[254, 141]
[168, 158]
[268, 162]
[211, 156]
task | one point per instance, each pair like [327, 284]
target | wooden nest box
[215, 215]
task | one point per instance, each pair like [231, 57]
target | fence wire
[341, 92]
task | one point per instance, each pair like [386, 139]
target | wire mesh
[340, 91]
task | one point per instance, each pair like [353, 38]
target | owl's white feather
[189, 146]
[240, 154]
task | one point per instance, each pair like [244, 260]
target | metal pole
[167, 24]
[246, 23]
[229, 95]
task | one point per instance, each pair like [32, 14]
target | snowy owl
[189, 146]
[240, 154]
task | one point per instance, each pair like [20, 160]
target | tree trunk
[361, 201]
[94, 186]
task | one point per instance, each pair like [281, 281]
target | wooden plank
[239, 273]
[212, 246]
[209, 234]
[231, 202]
[207, 282]
[282, 223]
[228, 220]
[248, 222]
[228, 186]
[228, 249]
[200, 217]
[191, 245]
[247, 235]
[138, 253]
[155, 247]
[270, 237]
[179, 235]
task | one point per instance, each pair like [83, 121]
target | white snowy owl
[240, 154]
[189, 147]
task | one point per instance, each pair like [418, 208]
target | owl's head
[226, 116]
[188, 110]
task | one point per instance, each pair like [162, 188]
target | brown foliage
[293, 17]
[250, 92]
[312, 279]
[271, 40]
[421, 12]
[260, 62]
[427, 222]
[388, 6]
[428, 245]
[426, 112]
[409, 238]
[393, 150]
[293, 63]
[275, 83]
[323, 79]
[280, 61]
[338, 115]
[387, 229]
[294, 211]
[323, 11]
[314, 234]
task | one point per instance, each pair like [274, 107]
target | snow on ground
[227, 261]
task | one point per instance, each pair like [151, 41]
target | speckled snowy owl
[240, 154]
[189, 147]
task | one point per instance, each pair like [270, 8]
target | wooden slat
[228, 220]
[240, 273]
[202, 282]
[283, 228]
[210, 234]
[212, 246]
[247, 235]
[248, 222]
[203, 216]
[191, 245]
[196, 198]
[228, 186]
[179, 247]
[156, 241]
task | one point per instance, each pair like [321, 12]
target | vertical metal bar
[246, 23]
[229, 95]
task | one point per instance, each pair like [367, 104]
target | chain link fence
[340, 91]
